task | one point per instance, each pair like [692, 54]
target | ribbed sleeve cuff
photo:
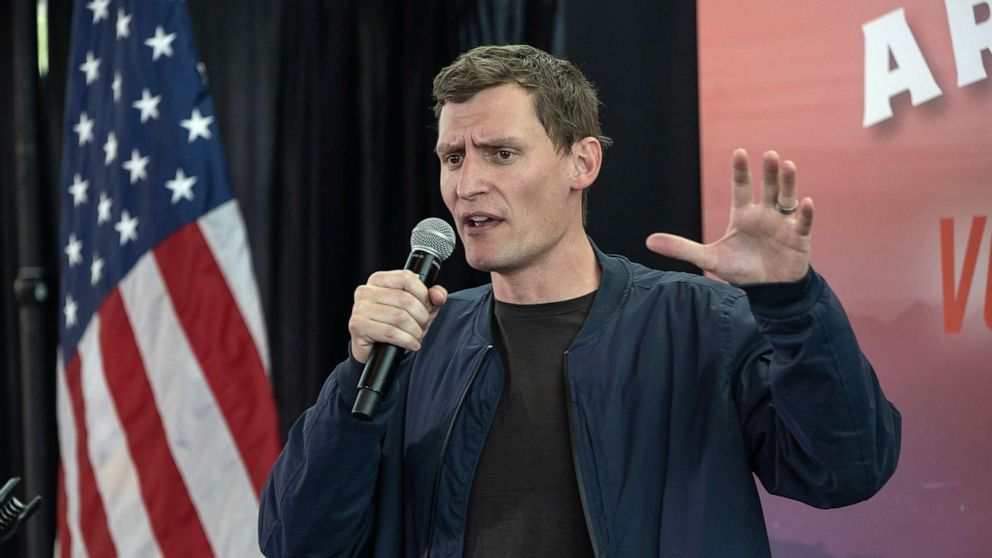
[784, 300]
[349, 375]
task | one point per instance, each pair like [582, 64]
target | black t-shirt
[525, 497]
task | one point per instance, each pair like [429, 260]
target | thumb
[679, 248]
[438, 296]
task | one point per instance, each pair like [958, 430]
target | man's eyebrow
[499, 141]
[446, 146]
[502, 141]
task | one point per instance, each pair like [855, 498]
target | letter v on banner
[955, 303]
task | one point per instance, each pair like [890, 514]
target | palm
[761, 244]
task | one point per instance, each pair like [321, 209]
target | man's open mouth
[481, 221]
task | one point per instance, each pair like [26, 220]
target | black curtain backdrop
[325, 113]
[642, 56]
[45, 154]
[10, 385]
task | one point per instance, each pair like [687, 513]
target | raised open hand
[766, 241]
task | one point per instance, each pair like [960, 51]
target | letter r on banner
[969, 38]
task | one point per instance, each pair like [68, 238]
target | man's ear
[587, 158]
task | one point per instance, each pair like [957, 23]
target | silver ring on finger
[786, 210]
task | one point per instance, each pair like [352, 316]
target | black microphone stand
[12, 511]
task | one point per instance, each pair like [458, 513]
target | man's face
[506, 187]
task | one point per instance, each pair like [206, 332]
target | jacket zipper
[444, 448]
[575, 459]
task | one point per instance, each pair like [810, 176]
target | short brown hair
[566, 102]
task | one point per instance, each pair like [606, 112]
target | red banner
[886, 108]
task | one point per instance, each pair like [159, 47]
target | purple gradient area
[939, 502]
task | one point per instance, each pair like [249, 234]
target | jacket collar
[614, 285]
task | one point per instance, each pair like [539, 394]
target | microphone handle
[380, 370]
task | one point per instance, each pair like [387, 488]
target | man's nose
[473, 177]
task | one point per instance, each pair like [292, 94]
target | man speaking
[581, 404]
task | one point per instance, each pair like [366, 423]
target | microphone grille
[435, 236]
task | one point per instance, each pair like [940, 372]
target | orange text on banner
[955, 303]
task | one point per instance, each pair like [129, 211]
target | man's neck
[570, 272]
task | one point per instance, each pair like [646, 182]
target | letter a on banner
[890, 33]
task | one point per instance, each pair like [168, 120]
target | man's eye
[453, 159]
[504, 154]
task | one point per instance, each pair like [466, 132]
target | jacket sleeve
[319, 499]
[817, 424]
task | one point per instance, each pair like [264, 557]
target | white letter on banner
[969, 38]
[882, 35]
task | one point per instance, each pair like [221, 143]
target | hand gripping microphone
[431, 242]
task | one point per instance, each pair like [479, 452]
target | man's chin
[480, 265]
[481, 262]
[503, 261]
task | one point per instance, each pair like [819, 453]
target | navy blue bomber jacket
[679, 389]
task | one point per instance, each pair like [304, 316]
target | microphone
[431, 242]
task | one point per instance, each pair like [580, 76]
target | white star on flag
[161, 43]
[136, 166]
[148, 105]
[181, 186]
[123, 24]
[116, 86]
[84, 129]
[198, 125]
[110, 148]
[91, 68]
[78, 190]
[103, 209]
[96, 270]
[70, 311]
[99, 8]
[127, 227]
[74, 250]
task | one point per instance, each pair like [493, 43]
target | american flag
[167, 426]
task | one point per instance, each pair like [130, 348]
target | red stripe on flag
[61, 511]
[223, 345]
[173, 517]
[92, 516]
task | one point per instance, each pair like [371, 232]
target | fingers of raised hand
[778, 181]
[741, 189]
[780, 190]
[804, 217]
[770, 178]
[787, 193]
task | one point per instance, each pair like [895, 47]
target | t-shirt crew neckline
[510, 310]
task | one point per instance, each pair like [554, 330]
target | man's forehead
[497, 100]
[502, 115]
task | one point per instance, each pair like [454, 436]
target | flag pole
[33, 290]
